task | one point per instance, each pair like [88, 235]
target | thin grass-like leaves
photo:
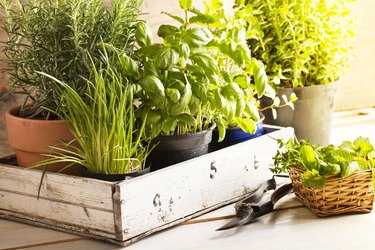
[103, 123]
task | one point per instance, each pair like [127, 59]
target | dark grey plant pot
[173, 149]
[312, 114]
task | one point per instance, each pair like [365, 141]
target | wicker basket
[340, 195]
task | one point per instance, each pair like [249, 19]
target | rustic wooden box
[127, 211]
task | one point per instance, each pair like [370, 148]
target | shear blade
[235, 222]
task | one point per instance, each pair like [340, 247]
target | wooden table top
[290, 226]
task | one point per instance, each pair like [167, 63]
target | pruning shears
[248, 209]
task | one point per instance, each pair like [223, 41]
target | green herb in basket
[320, 162]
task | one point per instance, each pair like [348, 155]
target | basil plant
[201, 72]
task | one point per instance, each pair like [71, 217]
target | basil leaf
[166, 58]
[197, 37]
[205, 61]
[167, 30]
[260, 79]
[173, 94]
[129, 67]
[143, 34]
[247, 125]
[187, 119]
[186, 4]
[153, 86]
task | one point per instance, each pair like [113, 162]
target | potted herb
[241, 79]
[55, 37]
[331, 179]
[173, 92]
[201, 72]
[306, 47]
[107, 142]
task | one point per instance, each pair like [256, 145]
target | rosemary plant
[103, 123]
[55, 37]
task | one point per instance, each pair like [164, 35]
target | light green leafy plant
[103, 122]
[55, 37]
[320, 162]
[301, 43]
[203, 70]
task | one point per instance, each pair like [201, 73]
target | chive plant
[103, 123]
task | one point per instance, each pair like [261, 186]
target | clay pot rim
[10, 113]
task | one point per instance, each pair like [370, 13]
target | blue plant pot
[234, 135]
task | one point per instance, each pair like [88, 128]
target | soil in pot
[173, 149]
[30, 138]
[117, 177]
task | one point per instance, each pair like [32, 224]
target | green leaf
[202, 18]
[150, 68]
[197, 36]
[151, 51]
[242, 54]
[143, 34]
[186, 4]
[235, 90]
[242, 80]
[348, 168]
[247, 125]
[173, 94]
[219, 100]
[155, 129]
[182, 105]
[228, 109]
[362, 146]
[153, 86]
[129, 67]
[166, 58]
[240, 108]
[194, 104]
[363, 164]
[187, 119]
[313, 179]
[184, 50]
[167, 30]
[260, 79]
[221, 128]
[170, 125]
[271, 93]
[308, 157]
[152, 116]
[169, 41]
[205, 61]
[252, 111]
[177, 18]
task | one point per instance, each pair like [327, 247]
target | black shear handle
[258, 194]
[268, 206]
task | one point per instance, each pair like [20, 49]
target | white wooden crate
[127, 211]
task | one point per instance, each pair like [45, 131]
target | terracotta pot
[30, 138]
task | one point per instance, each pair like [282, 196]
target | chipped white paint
[129, 210]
